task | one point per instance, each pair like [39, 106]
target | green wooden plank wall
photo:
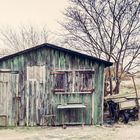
[54, 59]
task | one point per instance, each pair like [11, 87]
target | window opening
[73, 80]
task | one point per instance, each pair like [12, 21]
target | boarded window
[36, 73]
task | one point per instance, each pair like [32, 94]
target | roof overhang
[47, 45]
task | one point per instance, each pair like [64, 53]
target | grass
[127, 86]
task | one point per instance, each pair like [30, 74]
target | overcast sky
[35, 12]
[31, 11]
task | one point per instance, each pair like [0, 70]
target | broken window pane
[73, 81]
[59, 81]
[83, 81]
[87, 81]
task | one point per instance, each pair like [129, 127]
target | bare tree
[23, 37]
[108, 29]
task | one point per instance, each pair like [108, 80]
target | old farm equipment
[122, 107]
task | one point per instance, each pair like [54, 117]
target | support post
[137, 98]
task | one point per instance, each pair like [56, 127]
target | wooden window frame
[83, 89]
[65, 72]
[54, 80]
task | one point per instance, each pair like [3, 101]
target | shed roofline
[107, 64]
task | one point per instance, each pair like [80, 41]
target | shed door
[8, 90]
[4, 93]
[36, 98]
[15, 98]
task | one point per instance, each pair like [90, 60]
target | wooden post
[137, 98]
[17, 99]
[27, 104]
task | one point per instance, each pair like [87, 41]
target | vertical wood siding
[9, 105]
[37, 97]
[98, 96]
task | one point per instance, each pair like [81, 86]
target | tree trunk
[117, 87]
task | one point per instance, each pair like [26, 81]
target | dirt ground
[105, 132]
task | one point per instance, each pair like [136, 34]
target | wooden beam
[71, 70]
[86, 92]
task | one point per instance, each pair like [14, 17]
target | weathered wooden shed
[50, 80]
